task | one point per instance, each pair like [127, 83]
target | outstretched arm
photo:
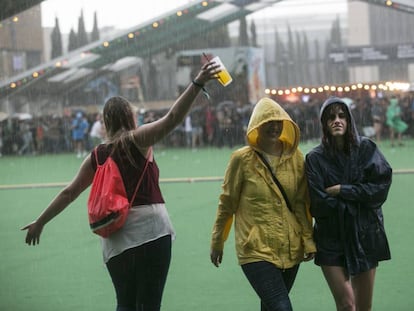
[148, 134]
[81, 181]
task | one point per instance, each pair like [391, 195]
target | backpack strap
[96, 156]
[149, 153]
[95, 150]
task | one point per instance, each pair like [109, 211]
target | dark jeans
[271, 284]
[139, 275]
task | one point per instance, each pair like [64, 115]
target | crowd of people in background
[221, 125]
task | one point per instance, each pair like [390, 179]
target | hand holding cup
[224, 76]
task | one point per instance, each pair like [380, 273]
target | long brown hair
[119, 122]
[350, 135]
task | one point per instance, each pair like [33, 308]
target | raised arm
[148, 134]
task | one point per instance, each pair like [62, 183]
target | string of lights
[142, 40]
[392, 5]
[96, 54]
[342, 88]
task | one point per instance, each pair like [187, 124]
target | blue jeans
[271, 284]
[139, 275]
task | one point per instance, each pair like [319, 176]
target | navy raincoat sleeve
[373, 177]
[322, 204]
[365, 181]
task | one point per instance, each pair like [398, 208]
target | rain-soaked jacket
[265, 229]
[353, 220]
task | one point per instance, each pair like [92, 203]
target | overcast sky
[123, 14]
[119, 13]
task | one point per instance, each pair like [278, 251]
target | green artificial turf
[65, 272]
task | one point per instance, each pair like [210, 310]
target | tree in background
[253, 34]
[318, 63]
[299, 63]
[306, 58]
[82, 35]
[290, 72]
[56, 40]
[73, 40]
[95, 31]
[337, 73]
[243, 36]
[219, 37]
[293, 62]
[280, 60]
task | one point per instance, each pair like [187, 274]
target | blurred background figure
[79, 132]
[378, 117]
[97, 133]
[27, 139]
[1, 140]
[188, 129]
[395, 123]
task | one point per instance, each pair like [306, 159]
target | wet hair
[119, 121]
[118, 117]
[350, 139]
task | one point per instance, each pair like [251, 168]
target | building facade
[21, 42]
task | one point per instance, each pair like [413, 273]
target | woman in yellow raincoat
[273, 234]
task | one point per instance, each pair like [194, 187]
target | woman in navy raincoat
[349, 180]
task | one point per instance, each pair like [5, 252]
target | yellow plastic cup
[224, 76]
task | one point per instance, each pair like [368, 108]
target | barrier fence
[162, 180]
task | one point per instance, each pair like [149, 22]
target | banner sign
[372, 54]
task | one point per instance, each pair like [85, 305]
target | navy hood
[337, 100]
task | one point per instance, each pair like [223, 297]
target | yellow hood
[268, 110]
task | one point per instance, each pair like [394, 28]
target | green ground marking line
[63, 184]
[162, 180]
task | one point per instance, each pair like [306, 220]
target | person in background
[349, 180]
[1, 139]
[378, 117]
[138, 255]
[197, 133]
[97, 132]
[80, 129]
[40, 135]
[141, 117]
[411, 111]
[394, 121]
[210, 124]
[27, 139]
[273, 235]
[188, 130]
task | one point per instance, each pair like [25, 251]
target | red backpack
[108, 203]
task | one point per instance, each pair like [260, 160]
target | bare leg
[363, 285]
[399, 135]
[392, 136]
[340, 286]
[378, 130]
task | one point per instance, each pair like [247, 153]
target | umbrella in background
[3, 116]
[22, 116]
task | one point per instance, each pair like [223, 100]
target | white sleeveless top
[144, 224]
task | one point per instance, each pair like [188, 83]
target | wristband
[197, 84]
[201, 86]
